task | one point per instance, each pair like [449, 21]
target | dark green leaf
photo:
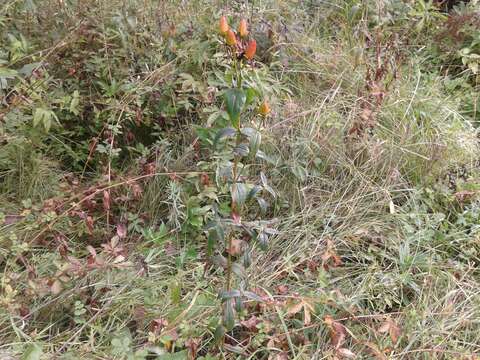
[263, 240]
[253, 192]
[255, 142]
[263, 205]
[235, 99]
[226, 132]
[241, 150]
[247, 259]
[238, 304]
[219, 333]
[225, 295]
[216, 234]
[239, 193]
[228, 315]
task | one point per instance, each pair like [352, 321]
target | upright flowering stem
[237, 64]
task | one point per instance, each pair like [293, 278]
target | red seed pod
[242, 28]
[264, 108]
[231, 38]
[251, 49]
[223, 26]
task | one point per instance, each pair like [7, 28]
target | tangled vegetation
[262, 179]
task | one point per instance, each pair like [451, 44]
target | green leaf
[241, 150]
[7, 73]
[216, 234]
[239, 193]
[238, 304]
[228, 294]
[33, 352]
[255, 142]
[254, 191]
[235, 99]
[219, 334]
[251, 95]
[252, 296]
[263, 240]
[263, 205]
[226, 132]
[228, 315]
[239, 270]
[181, 355]
[266, 186]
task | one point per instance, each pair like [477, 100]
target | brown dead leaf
[192, 346]
[307, 308]
[121, 230]
[346, 353]
[375, 351]
[330, 256]
[12, 219]
[251, 324]
[464, 196]
[236, 247]
[157, 325]
[280, 356]
[338, 332]
[89, 223]
[106, 200]
[56, 287]
[390, 327]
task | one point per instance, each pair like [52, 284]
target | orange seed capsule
[231, 39]
[242, 28]
[264, 108]
[251, 49]
[223, 26]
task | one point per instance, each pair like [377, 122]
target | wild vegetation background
[359, 187]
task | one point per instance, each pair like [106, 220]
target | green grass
[378, 231]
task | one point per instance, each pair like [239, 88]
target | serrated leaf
[235, 100]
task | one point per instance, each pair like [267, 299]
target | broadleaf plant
[237, 226]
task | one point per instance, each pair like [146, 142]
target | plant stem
[238, 71]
